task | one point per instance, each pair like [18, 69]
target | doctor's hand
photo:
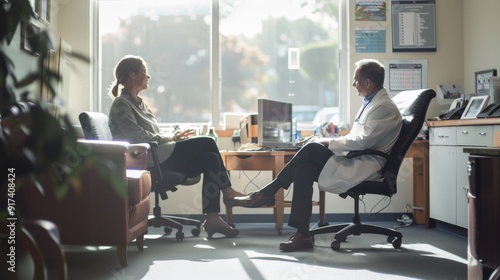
[322, 140]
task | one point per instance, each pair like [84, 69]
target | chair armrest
[103, 146]
[388, 157]
[156, 170]
[153, 144]
[137, 156]
[354, 154]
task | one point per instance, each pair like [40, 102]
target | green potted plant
[31, 136]
[34, 142]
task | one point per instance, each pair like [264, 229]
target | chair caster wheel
[395, 241]
[179, 236]
[335, 245]
[195, 232]
[167, 230]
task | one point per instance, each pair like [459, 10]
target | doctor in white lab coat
[377, 126]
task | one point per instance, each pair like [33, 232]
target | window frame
[215, 67]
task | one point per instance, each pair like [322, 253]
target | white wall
[73, 23]
[481, 38]
[445, 66]
[467, 42]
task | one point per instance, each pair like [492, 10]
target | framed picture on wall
[28, 32]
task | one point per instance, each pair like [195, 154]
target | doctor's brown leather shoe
[297, 242]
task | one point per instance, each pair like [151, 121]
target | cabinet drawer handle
[465, 132]
[466, 189]
[443, 136]
[482, 133]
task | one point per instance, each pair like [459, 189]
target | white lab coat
[377, 128]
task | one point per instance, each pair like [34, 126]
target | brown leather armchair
[101, 207]
[95, 126]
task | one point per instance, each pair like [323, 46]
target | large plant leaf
[12, 13]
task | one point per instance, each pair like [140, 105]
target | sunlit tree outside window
[173, 36]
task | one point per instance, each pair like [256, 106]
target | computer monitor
[275, 124]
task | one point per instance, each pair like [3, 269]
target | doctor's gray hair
[371, 69]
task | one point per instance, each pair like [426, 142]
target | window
[251, 57]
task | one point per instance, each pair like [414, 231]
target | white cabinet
[448, 181]
[479, 136]
[462, 187]
[442, 182]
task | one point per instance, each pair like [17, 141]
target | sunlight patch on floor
[286, 267]
[261, 266]
[153, 236]
[205, 269]
[427, 250]
[256, 255]
[202, 246]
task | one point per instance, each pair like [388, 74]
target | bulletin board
[414, 26]
[370, 40]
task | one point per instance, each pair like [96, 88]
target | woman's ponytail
[114, 90]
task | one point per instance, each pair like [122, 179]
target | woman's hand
[182, 134]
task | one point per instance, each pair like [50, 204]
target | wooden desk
[276, 160]
[419, 151]
[263, 160]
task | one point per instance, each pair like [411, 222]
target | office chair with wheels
[95, 126]
[164, 181]
[413, 107]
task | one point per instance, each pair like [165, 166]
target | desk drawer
[250, 162]
[475, 135]
[443, 136]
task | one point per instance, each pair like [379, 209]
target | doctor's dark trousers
[302, 170]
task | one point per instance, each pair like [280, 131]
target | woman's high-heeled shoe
[213, 228]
